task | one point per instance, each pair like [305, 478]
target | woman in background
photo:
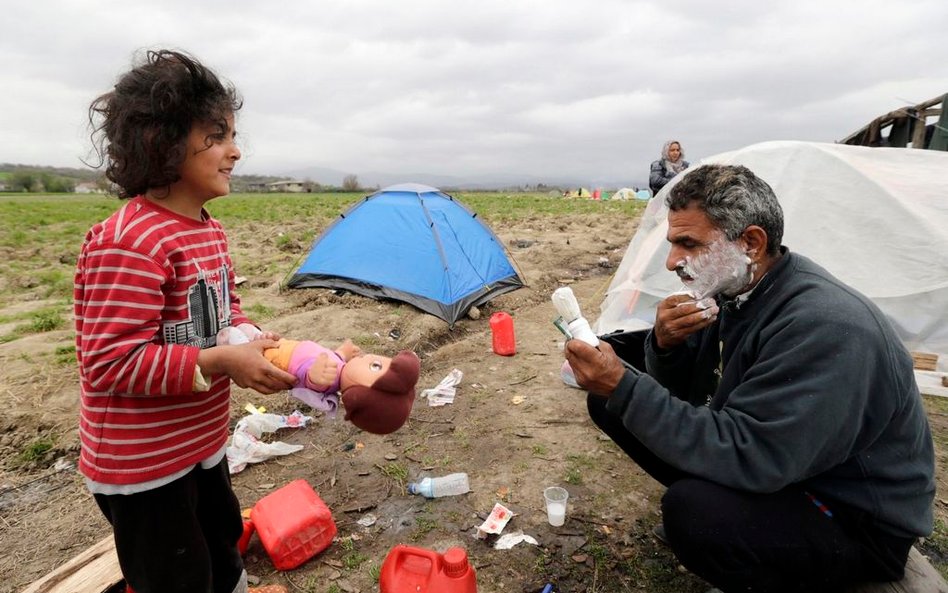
[664, 169]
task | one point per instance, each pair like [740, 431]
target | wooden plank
[94, 571]
[918, 137]
[931, 383]
[920, 577]
[924, 361]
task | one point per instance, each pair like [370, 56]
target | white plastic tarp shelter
[876, 218]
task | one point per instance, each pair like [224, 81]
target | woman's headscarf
[670, 165]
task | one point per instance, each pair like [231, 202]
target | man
[779, 406]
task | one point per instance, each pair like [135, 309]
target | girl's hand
[246, 366]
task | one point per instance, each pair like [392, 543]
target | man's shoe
[659, 532]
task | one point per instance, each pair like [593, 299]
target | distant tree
[57, 183]
[350, 183]
[310, 186]
[61, 185]
[23, 181]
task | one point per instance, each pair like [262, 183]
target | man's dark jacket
[806, 383]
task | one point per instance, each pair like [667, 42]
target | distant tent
[415, 244]
[623, 194]
[876, 218]
[630, 194]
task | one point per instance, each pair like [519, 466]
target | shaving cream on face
[723, 268]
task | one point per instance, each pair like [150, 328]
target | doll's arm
[322, 374]
[348, 350]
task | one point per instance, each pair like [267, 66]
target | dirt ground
[514, 427]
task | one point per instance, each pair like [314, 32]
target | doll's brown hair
[385, 406]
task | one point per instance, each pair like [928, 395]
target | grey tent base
[448, 312]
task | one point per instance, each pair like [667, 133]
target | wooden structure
[94, 571]
[907, 127]
[920, 577]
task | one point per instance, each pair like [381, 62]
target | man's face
[707, 263]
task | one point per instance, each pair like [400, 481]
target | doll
[377, 392]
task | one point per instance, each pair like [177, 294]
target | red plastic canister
[244, 540]
[407, 569]
[293, 524]
[502, 334]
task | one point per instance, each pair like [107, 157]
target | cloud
[468, 89]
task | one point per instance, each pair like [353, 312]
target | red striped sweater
[152, 288]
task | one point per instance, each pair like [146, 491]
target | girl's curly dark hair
[140, 128]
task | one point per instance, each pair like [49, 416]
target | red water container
[293, 524]
[502, 333]
[416, 570]
[244, 540]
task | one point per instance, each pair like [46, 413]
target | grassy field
[40, 235]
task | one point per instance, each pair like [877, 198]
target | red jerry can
[293, 524]
[407, 569]
[502, 334]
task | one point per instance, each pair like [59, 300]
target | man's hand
[596, 370]
[679, 316]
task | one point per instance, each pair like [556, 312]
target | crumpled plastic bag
[509, 540]
[444, 392]
[246, 446]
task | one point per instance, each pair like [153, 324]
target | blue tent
[411, 243]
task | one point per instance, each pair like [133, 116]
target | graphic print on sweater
[208, 312]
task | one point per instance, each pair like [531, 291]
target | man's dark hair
[140, 128]
[733, 198]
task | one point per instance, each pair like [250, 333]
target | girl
[154, 284]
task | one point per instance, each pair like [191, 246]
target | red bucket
[407, 569]
[502, 333]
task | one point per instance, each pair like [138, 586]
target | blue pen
[548, 588]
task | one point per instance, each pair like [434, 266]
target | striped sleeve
[119, 304]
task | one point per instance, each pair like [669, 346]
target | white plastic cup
[556, 498]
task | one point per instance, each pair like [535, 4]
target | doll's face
[363, 370]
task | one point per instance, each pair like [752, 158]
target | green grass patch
[45, 320]
[65, 354]
[259, 312]
[423, 526]
[396, 472]
[35, 450]
[577, 463]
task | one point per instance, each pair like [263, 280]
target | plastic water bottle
[449, 485]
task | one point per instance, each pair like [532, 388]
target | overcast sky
[546, 89]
